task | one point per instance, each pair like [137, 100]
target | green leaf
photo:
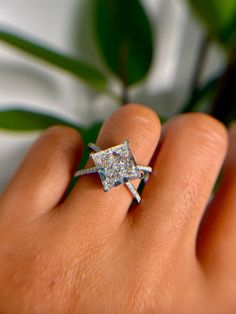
[124, 37]
[18, 119]
[219, 17]
[89, 136]
[24, 120]
[200, 94]
[86, 73]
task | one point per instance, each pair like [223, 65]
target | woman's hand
[90, 252]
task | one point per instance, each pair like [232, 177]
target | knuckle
[148, 116]
[137, 123]
[61, 131]
[204, 130]
[63, 135]
[141, 118]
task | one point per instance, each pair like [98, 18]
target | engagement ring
[116, 165]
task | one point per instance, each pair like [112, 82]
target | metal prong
[145, 168]
[94, 147]
[133, 191]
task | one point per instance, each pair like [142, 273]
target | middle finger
[190, 157]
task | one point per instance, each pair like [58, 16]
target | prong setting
[115, 166]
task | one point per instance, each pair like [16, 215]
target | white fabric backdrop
[24, 81]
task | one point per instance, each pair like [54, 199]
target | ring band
[116, 165]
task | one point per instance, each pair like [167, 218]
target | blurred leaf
[163, 119]
[223, 106]
[25, 120]
[124, 37]
[200, 95]
[219, 17]
[88, 74]
[89, 136]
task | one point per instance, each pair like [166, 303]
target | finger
[190, 156]
[141, 126]
[217, 235]
[44, 174]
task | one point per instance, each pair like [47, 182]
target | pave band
[94, 170]
[115, 166]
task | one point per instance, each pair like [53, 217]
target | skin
[92, 252]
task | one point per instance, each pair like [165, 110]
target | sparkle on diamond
[116, 165]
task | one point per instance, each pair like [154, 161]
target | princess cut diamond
[116, 165]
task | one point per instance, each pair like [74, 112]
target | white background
[27, 82]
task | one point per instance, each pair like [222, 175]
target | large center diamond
[116, 165]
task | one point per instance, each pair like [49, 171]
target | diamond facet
[116, 165]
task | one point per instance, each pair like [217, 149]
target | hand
[90, 252]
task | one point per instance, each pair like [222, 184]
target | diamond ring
[116, 165]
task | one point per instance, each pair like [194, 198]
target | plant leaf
[89, 136]
[24, 120]
[124, 37]
[219, 17]
[18, 119]
[86, 73]
[200, 94]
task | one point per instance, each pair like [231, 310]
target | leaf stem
[123, 58]
[125, 95]
[87, 73]
[200, 94]
[224, 104]
[198, 71]
[200, 62]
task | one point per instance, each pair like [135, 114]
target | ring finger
[141, 127]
